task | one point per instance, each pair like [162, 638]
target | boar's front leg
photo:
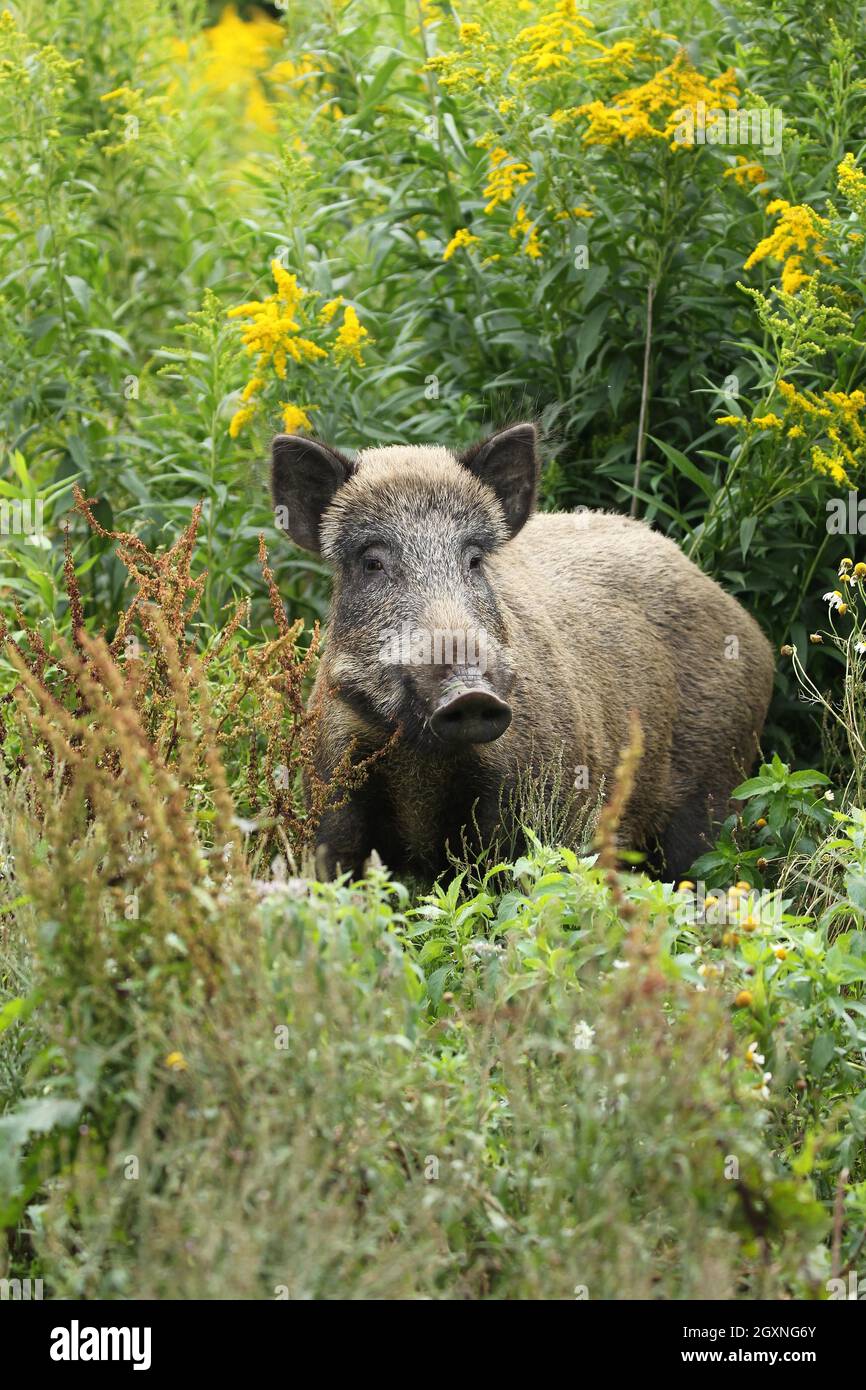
[343, 841]
[349, 832]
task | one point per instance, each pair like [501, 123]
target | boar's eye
[373, 561]
[474, 556]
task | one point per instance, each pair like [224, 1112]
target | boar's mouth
[470, 713]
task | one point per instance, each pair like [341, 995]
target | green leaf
[19, 1008]
[822, 1053]
[686, 467]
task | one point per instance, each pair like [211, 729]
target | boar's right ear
[305, 476]
[508, 463]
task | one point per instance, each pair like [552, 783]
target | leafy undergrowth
[507, 1087]
[545, 1079]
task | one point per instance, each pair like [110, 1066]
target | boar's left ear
[305, 475]
[508, 463]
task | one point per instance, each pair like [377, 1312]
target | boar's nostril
[472, 716]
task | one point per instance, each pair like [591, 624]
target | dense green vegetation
[543, 1078]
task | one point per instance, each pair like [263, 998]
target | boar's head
[416, 635]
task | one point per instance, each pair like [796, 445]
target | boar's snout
[470, 714]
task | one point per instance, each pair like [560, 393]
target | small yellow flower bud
[743, 999]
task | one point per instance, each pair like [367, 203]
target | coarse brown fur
[588, 616]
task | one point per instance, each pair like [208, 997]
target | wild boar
[489, 642]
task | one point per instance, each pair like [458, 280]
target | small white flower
[829, 796]
[860, 648]
[834, 599]
[583, 1036]
[483, 949]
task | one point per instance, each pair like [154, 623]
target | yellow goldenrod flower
[798, 230]
[329, 309]
[851, 182]
[525, 230]
[829, 463]
[553, 41]
[240, 418]
[272, 334]
[462, 237]
[577, 212]
[654, 110]
[618, 59]
[295, 418]
[252, 388]
[746, 171]
[505, 177]
[350, 338]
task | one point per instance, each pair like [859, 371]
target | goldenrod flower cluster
[798, 231]
[350, 338]
[746, 172]
[476, 65]
[552, 42]
[839, 416]
[241, 55]
[24, 63]
[505, 177]
[835, 421]
[653, 110]
[231, 56]
[523, 229]
[851, 182]
[273, 335]
[462, 237]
